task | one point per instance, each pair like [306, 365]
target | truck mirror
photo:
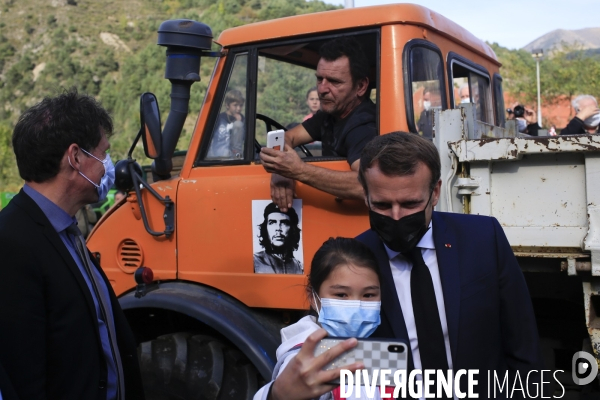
[151, 127]
[123, 175]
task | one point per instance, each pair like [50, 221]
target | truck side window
[426, 74]
[470, 85]
[228, 137]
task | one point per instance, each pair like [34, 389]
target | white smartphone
[276, 139]
[376, 354]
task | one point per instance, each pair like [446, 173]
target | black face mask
[400, 235]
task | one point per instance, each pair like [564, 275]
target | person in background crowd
[587, 117]
[313, 102]
[463, 93]
[119, 195]
[526, 119]
[228, 140]
[86, 219]
[425, 125]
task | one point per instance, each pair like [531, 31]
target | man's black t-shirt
[575, 127]
[346, 137]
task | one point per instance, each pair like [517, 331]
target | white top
[296, 334]
[401, 269]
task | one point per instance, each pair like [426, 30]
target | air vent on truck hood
[129, 255]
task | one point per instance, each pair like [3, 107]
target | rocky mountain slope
[588, 38]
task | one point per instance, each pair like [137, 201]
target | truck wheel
[184, 366]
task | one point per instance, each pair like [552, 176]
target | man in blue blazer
[63, 334]
[474, 308]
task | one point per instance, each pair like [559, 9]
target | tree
[9, 177]
[571, 71]
[518, 73]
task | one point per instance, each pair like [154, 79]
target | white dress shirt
[401, 269]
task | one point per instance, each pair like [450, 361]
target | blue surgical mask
[107, 179]
[349, 318]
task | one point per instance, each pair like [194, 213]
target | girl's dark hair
[335, 252]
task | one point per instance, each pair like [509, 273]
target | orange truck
[179, 251]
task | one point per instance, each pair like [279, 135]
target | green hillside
[106, 48]
[566, 71]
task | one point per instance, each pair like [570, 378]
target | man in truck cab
[345, 124]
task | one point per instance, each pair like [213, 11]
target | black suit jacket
[49, 341]
[6, 389]
[491, 324]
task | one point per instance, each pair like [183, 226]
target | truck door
[223, 199]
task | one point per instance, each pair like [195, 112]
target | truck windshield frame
[295, 53]
[499, 101]
[410, 73]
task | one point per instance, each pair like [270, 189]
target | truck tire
[184, 366]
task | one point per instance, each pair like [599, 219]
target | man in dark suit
[6, 390]
[62, 332]
[451, 285]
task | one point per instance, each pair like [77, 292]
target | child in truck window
[228, 137]
[345, 298]
[313, 102]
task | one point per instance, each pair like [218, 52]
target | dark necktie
[430, 336]
[103, 304]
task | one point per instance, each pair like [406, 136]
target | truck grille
[129, 255]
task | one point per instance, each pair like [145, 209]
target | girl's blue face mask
[349, 318]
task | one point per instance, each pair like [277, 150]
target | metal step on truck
[179, 251]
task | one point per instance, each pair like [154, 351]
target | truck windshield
[228, 137]
[270, 87]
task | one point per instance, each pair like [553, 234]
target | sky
[511, 24]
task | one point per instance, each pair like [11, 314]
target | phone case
[275, 139]
[375, 354]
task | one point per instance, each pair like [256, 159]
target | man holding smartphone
[345, 124]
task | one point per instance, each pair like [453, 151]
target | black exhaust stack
[185, 41]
